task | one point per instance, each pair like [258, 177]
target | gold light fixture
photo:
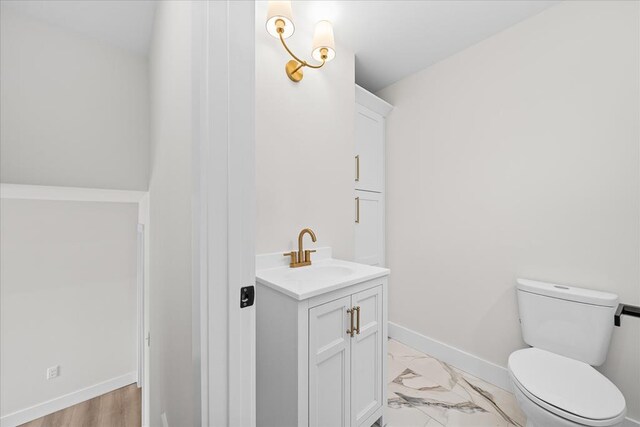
[280, 25]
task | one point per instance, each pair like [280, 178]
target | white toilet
[569, 330]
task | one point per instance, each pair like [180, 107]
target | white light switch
[53, 372]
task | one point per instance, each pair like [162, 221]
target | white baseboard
[630, 422]
[483, 369]
[40, 410]
[467, 362]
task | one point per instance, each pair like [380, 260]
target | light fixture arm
[302, 62]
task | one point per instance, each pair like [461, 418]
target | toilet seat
[566, 387]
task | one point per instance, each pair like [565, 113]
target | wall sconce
[280, 25]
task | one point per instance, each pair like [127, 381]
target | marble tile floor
[426, 392]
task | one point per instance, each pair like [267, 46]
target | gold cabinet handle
[357, 310]
[358, 168]
[351, 330]
[357, 210]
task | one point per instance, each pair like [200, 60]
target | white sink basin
[324, 275]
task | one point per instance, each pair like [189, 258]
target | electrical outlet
[53, 372]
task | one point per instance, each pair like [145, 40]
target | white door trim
[140, 324]
[144, 220]
[224, 214]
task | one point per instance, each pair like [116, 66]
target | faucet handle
[307, 255]
[294, 257]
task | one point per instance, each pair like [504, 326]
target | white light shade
[323, 38]
[280, 10]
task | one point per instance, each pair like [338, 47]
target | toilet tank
[573, 322]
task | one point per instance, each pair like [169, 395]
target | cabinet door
[329, 364]
[369, 232]
[366, 356]
[369, 149]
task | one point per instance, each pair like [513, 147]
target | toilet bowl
[569, 330]
[556, 391]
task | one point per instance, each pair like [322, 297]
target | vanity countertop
[326, 274]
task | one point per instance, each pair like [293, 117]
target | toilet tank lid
[569, 293]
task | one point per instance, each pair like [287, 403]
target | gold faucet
[302, 257]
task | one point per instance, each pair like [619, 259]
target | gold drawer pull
[357, 310]
[358, 168]
[351, 330]
[357, 210]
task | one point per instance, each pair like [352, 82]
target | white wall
[172, 382]
[74, 110]
[68, 297]
[304, 146]
[519, 157]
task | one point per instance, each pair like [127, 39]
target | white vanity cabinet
[311, 371]
[335, 355]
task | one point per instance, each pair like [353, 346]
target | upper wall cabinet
[369, 150]
[369, 156]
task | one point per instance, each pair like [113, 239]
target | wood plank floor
[120, 408]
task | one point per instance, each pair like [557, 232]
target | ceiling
[393, 39]
[123, 23]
